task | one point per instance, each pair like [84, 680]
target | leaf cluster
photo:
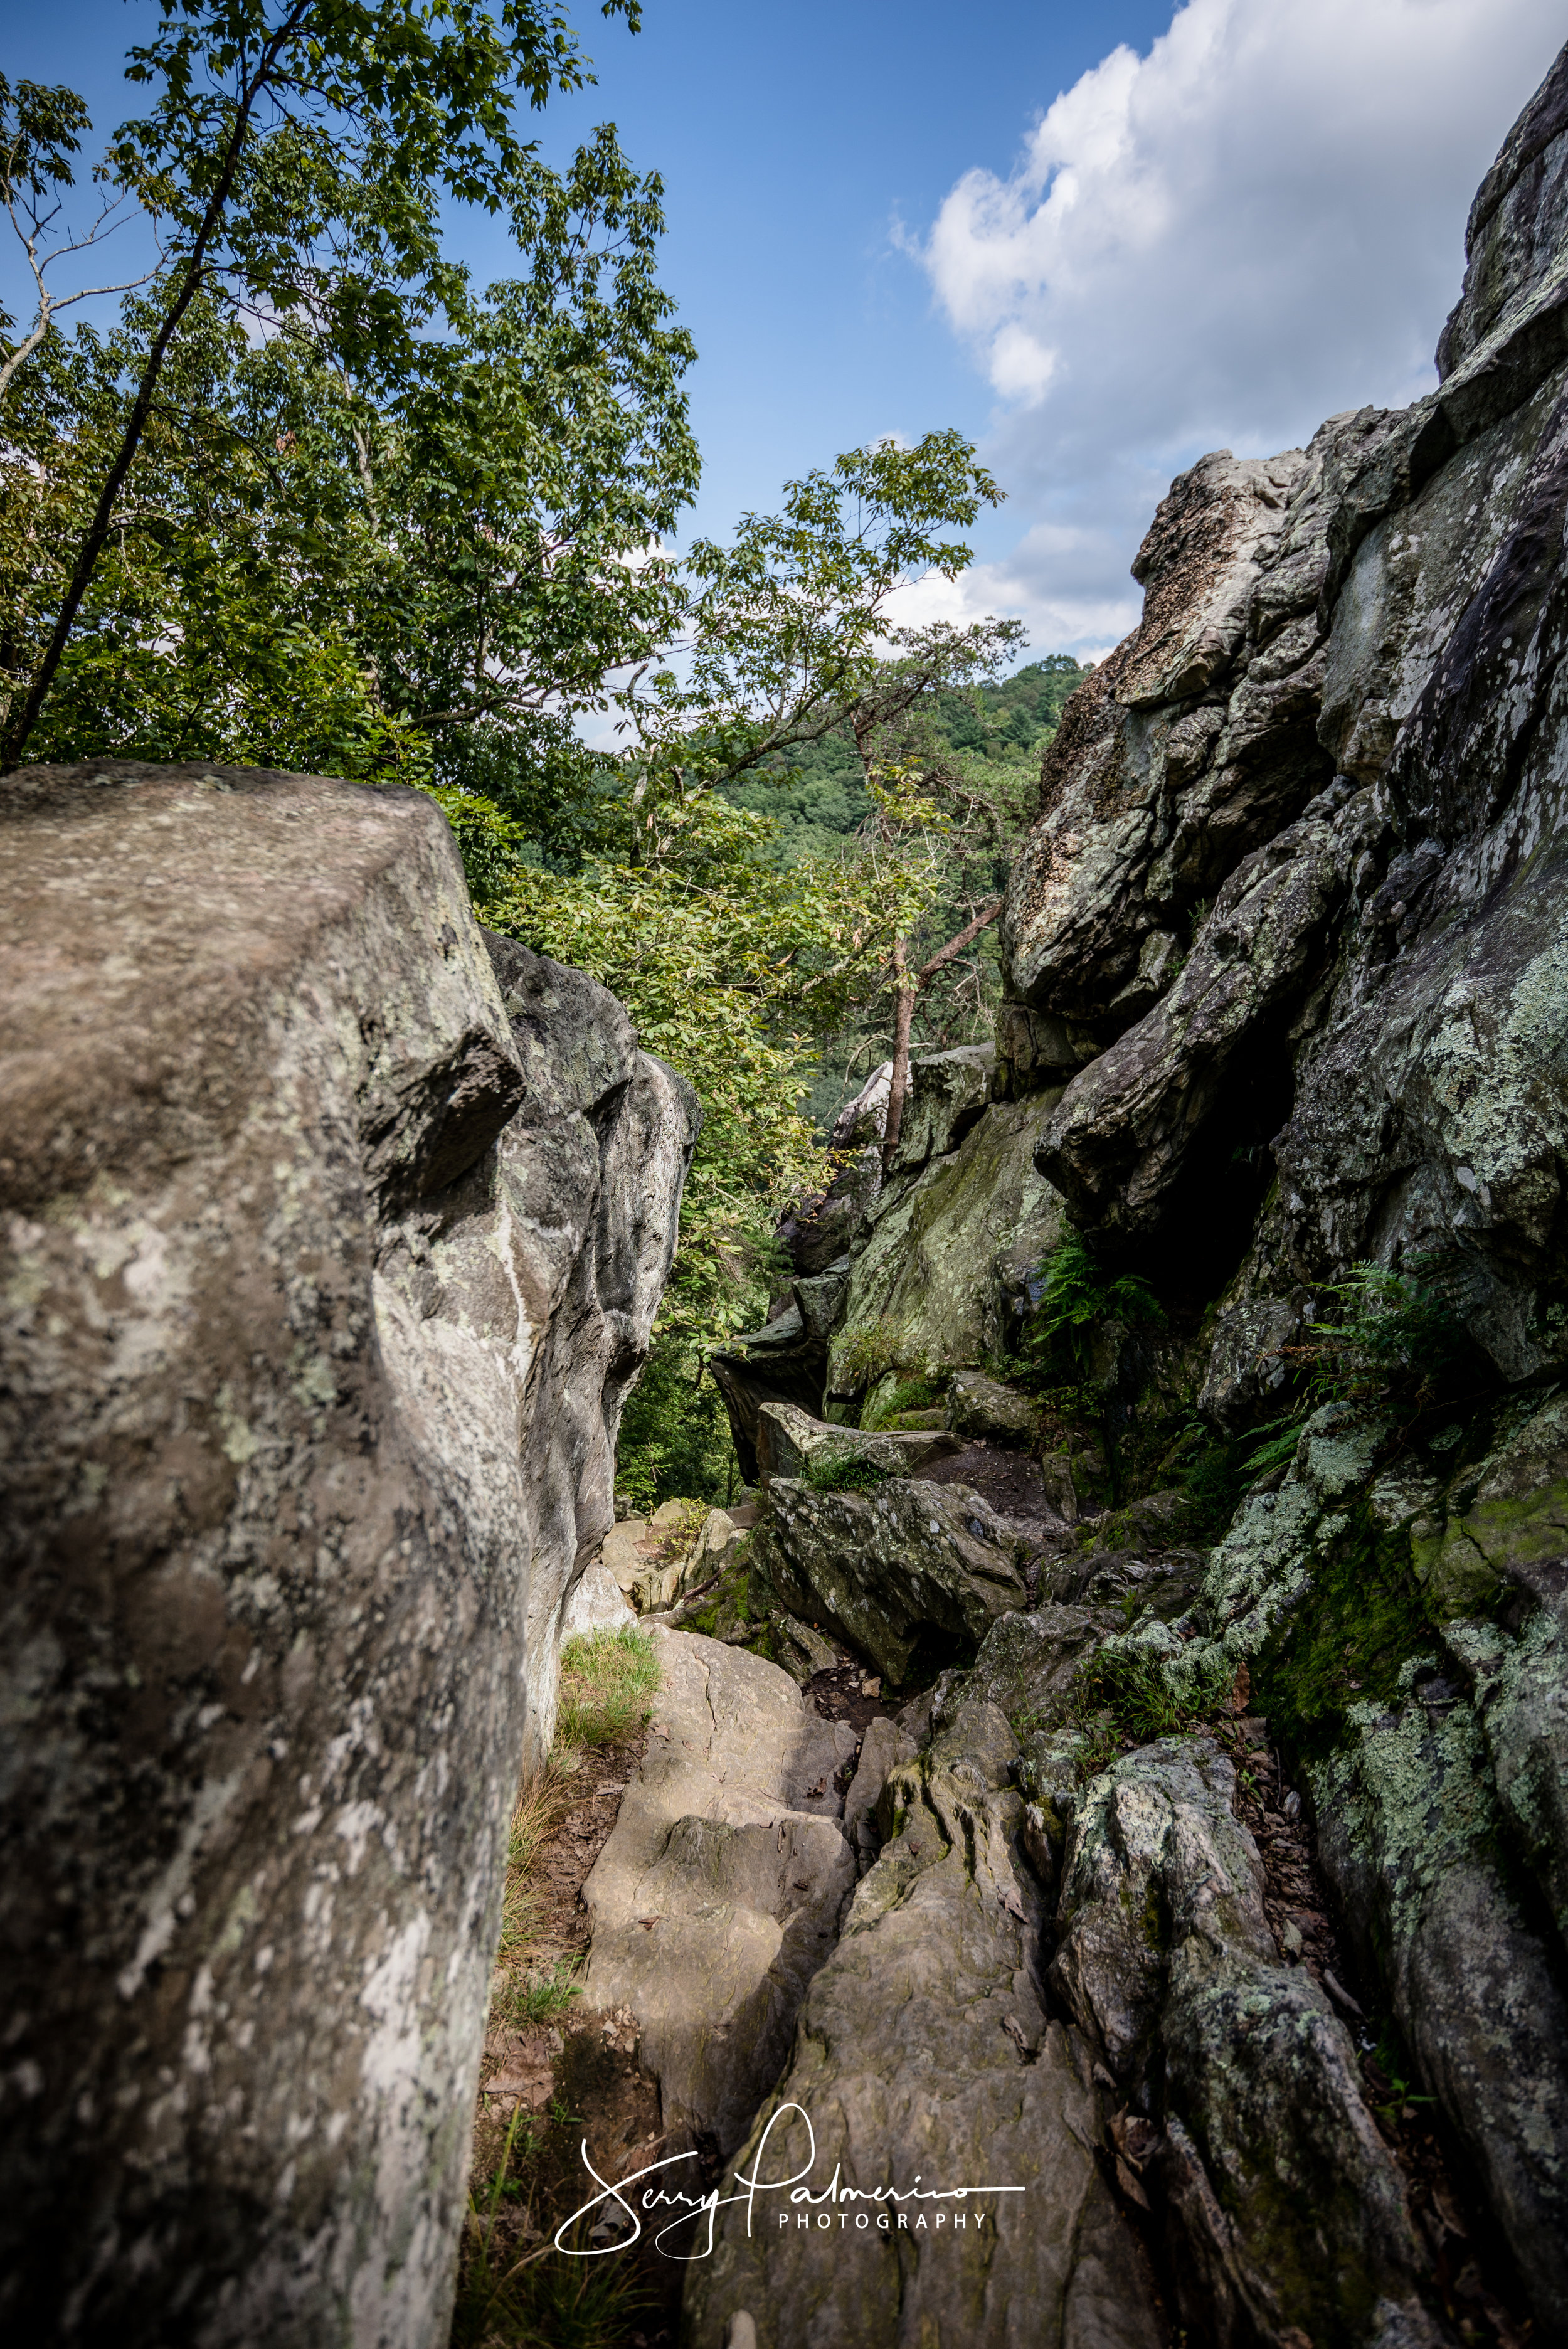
[1079, 1295]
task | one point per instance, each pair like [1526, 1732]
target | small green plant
[1388, 2063]
[1133, 1690]
[910, 1395]
[1079, 1293]
[1399, 1332]
[545, 1996]
[1276, 1448]
[607, 1682]
[846, 1477]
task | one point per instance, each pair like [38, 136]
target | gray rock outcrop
[1287, 2209]
[912, 1575]
[333, 1244]
[924, 2061]
[718, 1895]
[1325, 771]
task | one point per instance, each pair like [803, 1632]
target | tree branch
[956, 946]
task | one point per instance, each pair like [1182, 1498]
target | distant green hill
[816, 795]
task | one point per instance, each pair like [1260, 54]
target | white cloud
[1219, 245]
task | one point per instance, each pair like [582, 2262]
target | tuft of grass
[847, 1476]
[540, 1805]
[607, 1682]
[539, 2300]
[545, 1996]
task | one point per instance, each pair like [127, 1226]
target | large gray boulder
[331, 1251]
[790, 1442]
[718, 1895]
[912, 1575]
[924, 2061]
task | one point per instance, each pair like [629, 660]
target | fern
[1398, 1331]
[1078, 1294]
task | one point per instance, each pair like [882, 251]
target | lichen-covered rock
[1029, 1665]
[1435, 1741]
[922, 2051]
[789, 1442]
[979, 1405]
[1409, 1835]
[1287, 2209]
[330, 1253]
[718, 1895]
[949, 1266]
[1246, 1361]
[911, 1574]
[1124, 1131]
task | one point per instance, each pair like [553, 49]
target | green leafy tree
[295, 160]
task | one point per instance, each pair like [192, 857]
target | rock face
[924, 2050]
[913, 1575]
[717, 1895]
[1286, 957]
[937, 1264]
[1326, 771]
[1287, 2208]
[1399, 1610]
[332, 1242]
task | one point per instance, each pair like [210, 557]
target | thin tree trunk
[98, 528]
[902, 1012]
[907, 985]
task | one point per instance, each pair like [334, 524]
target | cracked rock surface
[923, 2049]
[718, 1895]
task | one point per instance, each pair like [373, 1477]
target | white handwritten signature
[694, 2208]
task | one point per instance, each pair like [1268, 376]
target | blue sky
[1099, 239]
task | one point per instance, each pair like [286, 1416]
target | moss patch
[1364, 1614]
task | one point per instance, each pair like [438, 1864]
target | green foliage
[846, 1477]
[1393, 2069]
[1132, 1689]
[608, 1680]
[674, 1430]
[1214, 1482]
[1274, 1444]
[1399, 1332]
[537, 2301]
[545, 1997]
[345, 468]
[1079, 1295]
